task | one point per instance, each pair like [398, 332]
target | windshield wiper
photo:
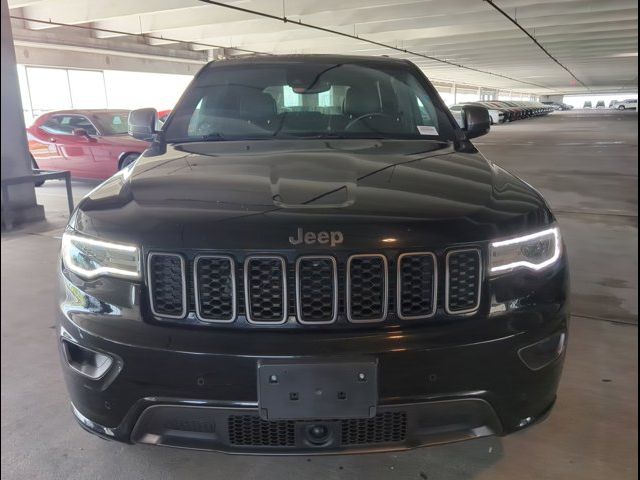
[209, 137]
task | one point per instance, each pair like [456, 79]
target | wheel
[34, 165]
[128, 159]
[621, 107]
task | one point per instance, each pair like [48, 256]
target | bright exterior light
[534, 251]
[91, 258]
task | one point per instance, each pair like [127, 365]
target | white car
[496, 116]
[629, 104]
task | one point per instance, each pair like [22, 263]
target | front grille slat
[215, 288]
[317, 289]
[367, 288]
[167, 285]
[416, 285]
[463, 281]
[265, 281]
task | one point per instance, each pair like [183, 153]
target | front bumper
[189, 399]
[198, 388]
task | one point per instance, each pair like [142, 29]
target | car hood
[257, 194]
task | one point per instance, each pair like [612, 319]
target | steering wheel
[362, 117]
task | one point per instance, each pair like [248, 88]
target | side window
[194, 121]
[56, 126]
[78, 121]
[424, 114]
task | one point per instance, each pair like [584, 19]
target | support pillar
[14, 152]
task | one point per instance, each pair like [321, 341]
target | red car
[92, 144]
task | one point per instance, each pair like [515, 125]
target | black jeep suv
[311, 257]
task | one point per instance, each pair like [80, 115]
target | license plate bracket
[317, 390]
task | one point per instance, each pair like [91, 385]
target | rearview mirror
[142, 123]
[476, 121]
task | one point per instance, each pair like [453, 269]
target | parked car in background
[163, 115]
[554, 105]
[91, 144]
[600, 104]
[495, 115]
[612, 103]
[587, 104]
[558, 105]
[629, 104]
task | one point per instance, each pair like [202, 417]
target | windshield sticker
[427, 130]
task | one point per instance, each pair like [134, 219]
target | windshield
[111, 123]
[306, 100]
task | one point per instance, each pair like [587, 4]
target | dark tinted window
[66, 124]
[111, 123]
[306, 99]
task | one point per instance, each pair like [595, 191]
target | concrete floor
[585, 163]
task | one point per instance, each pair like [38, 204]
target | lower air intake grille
[167, 285]
[250, 430]
[265, 289]
[215, 288]
[383, 428]
[464, 272]
[367, 288]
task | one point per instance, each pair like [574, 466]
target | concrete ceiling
[596, 40]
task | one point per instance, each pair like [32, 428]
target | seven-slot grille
[316, 289]
[166, 276]
[265, 287]
[416, 285]
[367, 289]
[215, 285]
[464, 272]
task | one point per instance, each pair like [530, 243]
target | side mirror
[476, 121]
[142, 123]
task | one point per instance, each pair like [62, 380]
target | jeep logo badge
[310, 238]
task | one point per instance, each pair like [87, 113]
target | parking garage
[561, 79]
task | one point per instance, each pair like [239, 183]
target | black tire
[621, 107]
[35, 166]
[128, 159]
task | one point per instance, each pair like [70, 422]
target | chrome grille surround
[247, 290]
[385, 288]
[434, 286]
[181, 273]
[197, 284]
[447, 301]
[299, 313]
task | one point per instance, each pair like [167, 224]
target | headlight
[534, 252]
[90, 258]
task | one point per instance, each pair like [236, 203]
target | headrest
[258, 105]
[360, 101]
[241, 102]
